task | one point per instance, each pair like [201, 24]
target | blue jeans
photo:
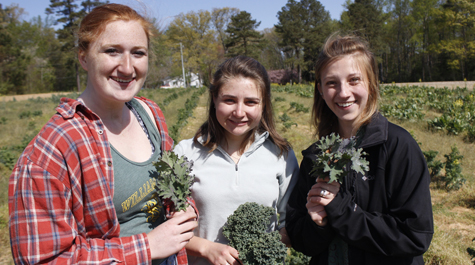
[170, 261]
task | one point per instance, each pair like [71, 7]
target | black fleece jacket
[385, 217]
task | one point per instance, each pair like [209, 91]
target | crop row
[301, 90]
[454, 108]
[185, 113]
[172, 97]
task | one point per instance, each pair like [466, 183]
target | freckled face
[117, 62]
[238, 107]
[345, 90]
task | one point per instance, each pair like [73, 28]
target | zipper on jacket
[236, 174]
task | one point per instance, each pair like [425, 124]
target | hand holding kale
[337, 157]
[246, 230]
[174, 179]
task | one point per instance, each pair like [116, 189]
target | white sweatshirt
[221, 185]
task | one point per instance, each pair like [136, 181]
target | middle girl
[238, 157]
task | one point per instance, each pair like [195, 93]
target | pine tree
[458, 30]
[303, 27]
[423, 13]
[243, 38]
[289, 28]
[89, 5]
[317, 27]
[69, 15]
[367, 21]
[221, 17]
[13, 62]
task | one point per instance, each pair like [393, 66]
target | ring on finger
[323, 193]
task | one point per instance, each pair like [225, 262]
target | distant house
[178, 82]
[282, 76]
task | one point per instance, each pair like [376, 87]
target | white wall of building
[178, 82]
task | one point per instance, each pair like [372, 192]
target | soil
[28, 96]
[450, 84]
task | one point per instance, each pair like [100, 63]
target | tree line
[414, 40]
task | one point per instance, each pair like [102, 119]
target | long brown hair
[335, 48]
[94, 23]
[246, 67]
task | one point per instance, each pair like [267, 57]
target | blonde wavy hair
[335, 48]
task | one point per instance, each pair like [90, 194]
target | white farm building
[194, 81]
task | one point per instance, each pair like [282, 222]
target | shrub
[435, 166]
[299, 107]
[287, 121]
[8, 158]
[296, 258]
[470, 134]
[24, 114]
[454, 179]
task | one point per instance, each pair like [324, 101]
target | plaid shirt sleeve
[60, 198]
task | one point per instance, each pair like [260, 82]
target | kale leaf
[337, 157]
[174, 179]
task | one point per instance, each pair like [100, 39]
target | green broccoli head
[246, 230]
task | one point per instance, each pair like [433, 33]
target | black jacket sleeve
[395, 215]
[306, 236]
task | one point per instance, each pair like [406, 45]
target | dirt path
[450, 84]
[28, 96]
[194, 122]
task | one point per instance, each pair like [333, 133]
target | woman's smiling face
[117, 62]
[238, 107]
[344, 87]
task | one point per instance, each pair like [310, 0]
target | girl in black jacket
[381, 217]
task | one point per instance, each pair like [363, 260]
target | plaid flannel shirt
[61, 191]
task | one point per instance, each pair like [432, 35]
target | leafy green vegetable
[246, 230]
[337, 157]
[454, 179]
[174, 179]
[296, 258]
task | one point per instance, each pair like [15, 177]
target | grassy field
[454, 211]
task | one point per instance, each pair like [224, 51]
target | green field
[439, 119]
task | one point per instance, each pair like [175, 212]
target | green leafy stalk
[246, 230]
[174, 179]
[337, 157]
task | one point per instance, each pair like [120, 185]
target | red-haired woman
[82, 191]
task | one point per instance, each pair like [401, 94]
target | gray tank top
[138, 208]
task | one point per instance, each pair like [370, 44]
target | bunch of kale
[246, 230]
[337, 157]
[174, 179]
